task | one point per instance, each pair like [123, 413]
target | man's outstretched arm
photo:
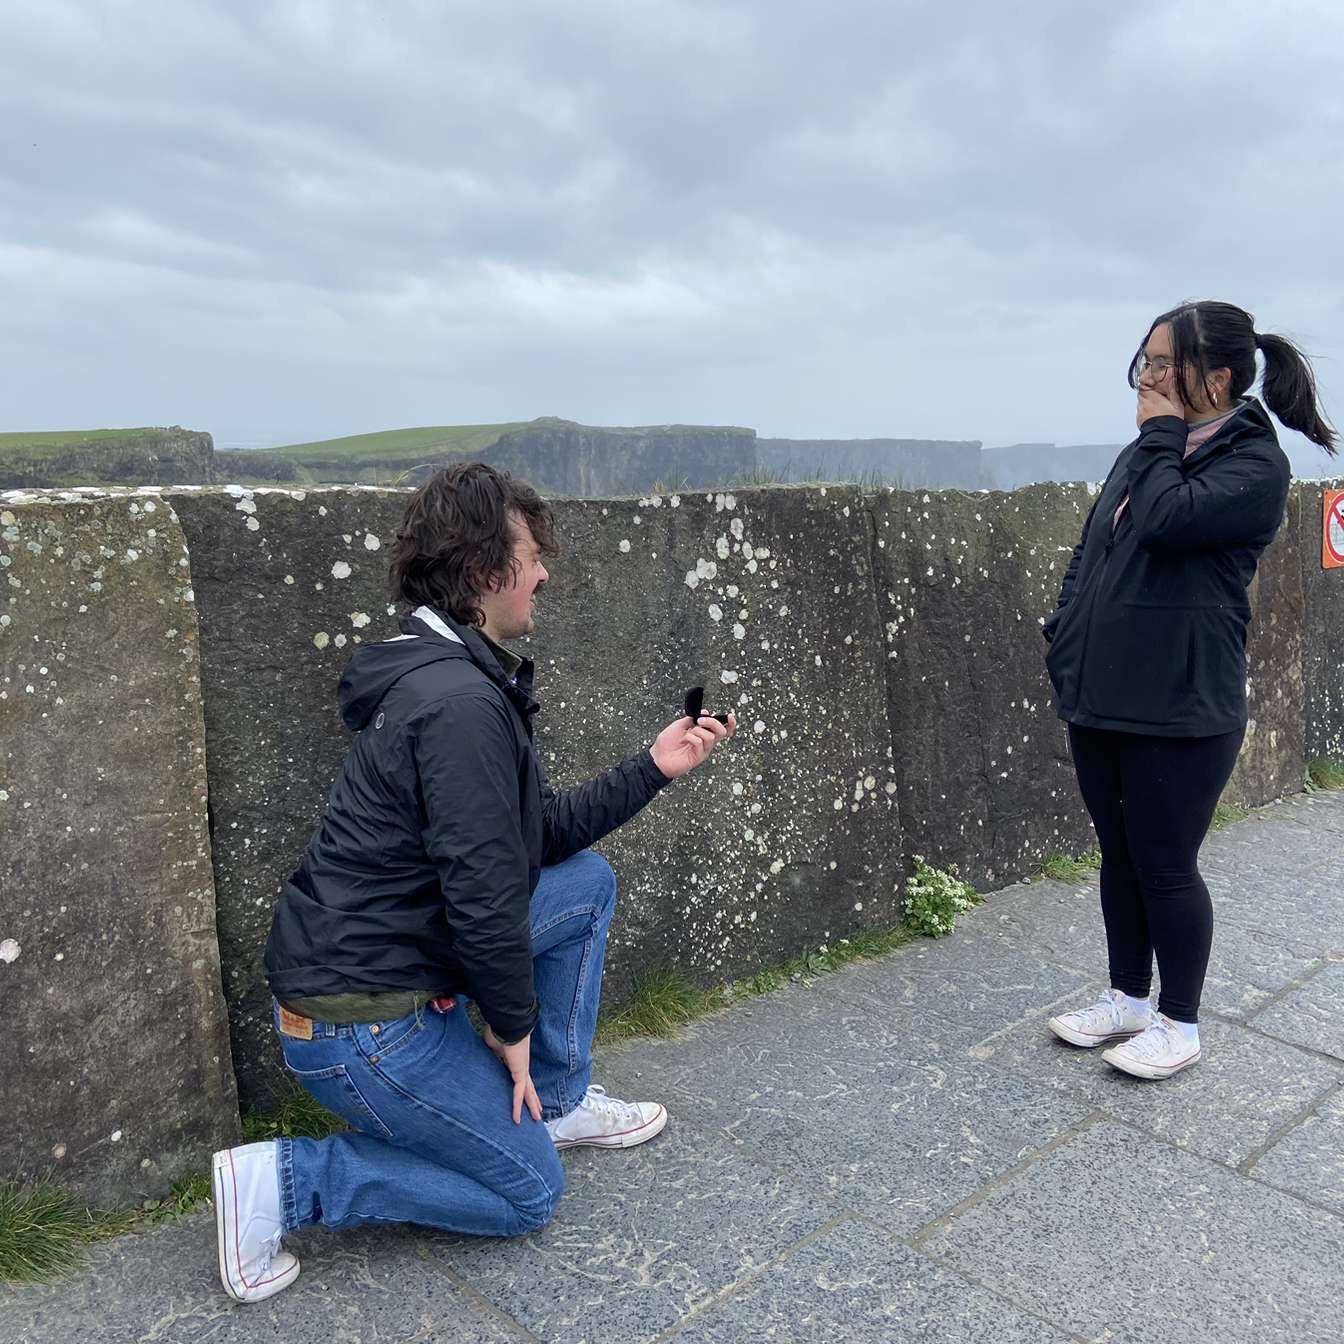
[579, 817]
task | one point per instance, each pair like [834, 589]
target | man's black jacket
[1150, 632]
[421, 873]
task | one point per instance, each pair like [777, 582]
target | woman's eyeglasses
[1158, 367]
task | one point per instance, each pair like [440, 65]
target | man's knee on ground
[533, 1213]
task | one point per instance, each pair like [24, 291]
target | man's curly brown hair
[455, 541]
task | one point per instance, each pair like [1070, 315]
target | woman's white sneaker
[1159, 1052]
[249, 1223]
[1112, 1015]
[600, 1121]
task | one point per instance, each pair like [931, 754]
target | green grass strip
[1227, 814]
[666, 1000]
[1071, 868]
[1325, 773]
[294, 1116]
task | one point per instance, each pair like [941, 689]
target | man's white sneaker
[1156, 1053]
[249, 1223]
[601, 1121]
[1109, 1017]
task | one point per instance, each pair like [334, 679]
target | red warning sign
[1332, 531]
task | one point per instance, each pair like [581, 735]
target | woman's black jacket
[1150, 632]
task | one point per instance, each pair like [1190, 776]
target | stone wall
[115, 1055]
[882, 650]
[982, 762]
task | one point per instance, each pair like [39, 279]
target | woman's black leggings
[1151, 800]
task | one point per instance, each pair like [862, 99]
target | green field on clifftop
[69, 438]
[397, 444]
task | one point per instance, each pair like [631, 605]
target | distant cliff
[943, 463]
[565, 458]
[1026, 463]
[560, 457]
[172, 456]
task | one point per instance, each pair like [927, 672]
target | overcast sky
[282, 221]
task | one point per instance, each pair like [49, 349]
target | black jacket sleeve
[1070, 576]
[575, 818]
[467, 768]
[1237, 501]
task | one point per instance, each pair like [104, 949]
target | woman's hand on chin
[1154, 402]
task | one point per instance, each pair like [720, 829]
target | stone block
[116, 1066]
[982, 761]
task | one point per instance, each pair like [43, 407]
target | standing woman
[1148, 655]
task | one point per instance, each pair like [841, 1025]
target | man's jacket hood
[376, 668]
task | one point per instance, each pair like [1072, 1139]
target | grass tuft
[44, 1231]
[190, 1193]
[662, 1003]
[1227, 814]
[295, 1116]
[1071, 868]
[1325, 774]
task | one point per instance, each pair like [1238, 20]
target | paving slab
[1310, 1016]
[962, 987]
[892, 1120]
[1309, 1159]
[1316, 811]
[1133, 1240]
[854, 1283]
[362, 1286]
[1245, 1089]
[645, 1236]
[1305, 910]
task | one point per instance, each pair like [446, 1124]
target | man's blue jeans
[435, 1141]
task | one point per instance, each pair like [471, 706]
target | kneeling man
[445, 868]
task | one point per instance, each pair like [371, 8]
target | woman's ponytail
[1289, 389]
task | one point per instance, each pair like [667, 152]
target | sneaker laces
[596, 1099]
[1154, 1040]
[1106, 1012]
[267, 1253]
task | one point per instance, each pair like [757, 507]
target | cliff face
[940, 463]
[173, 456]
[255, 466]
[1021, 464]
[565, 458]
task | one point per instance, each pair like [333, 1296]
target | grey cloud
[298, 219]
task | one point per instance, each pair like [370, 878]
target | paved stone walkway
[898, 1152]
